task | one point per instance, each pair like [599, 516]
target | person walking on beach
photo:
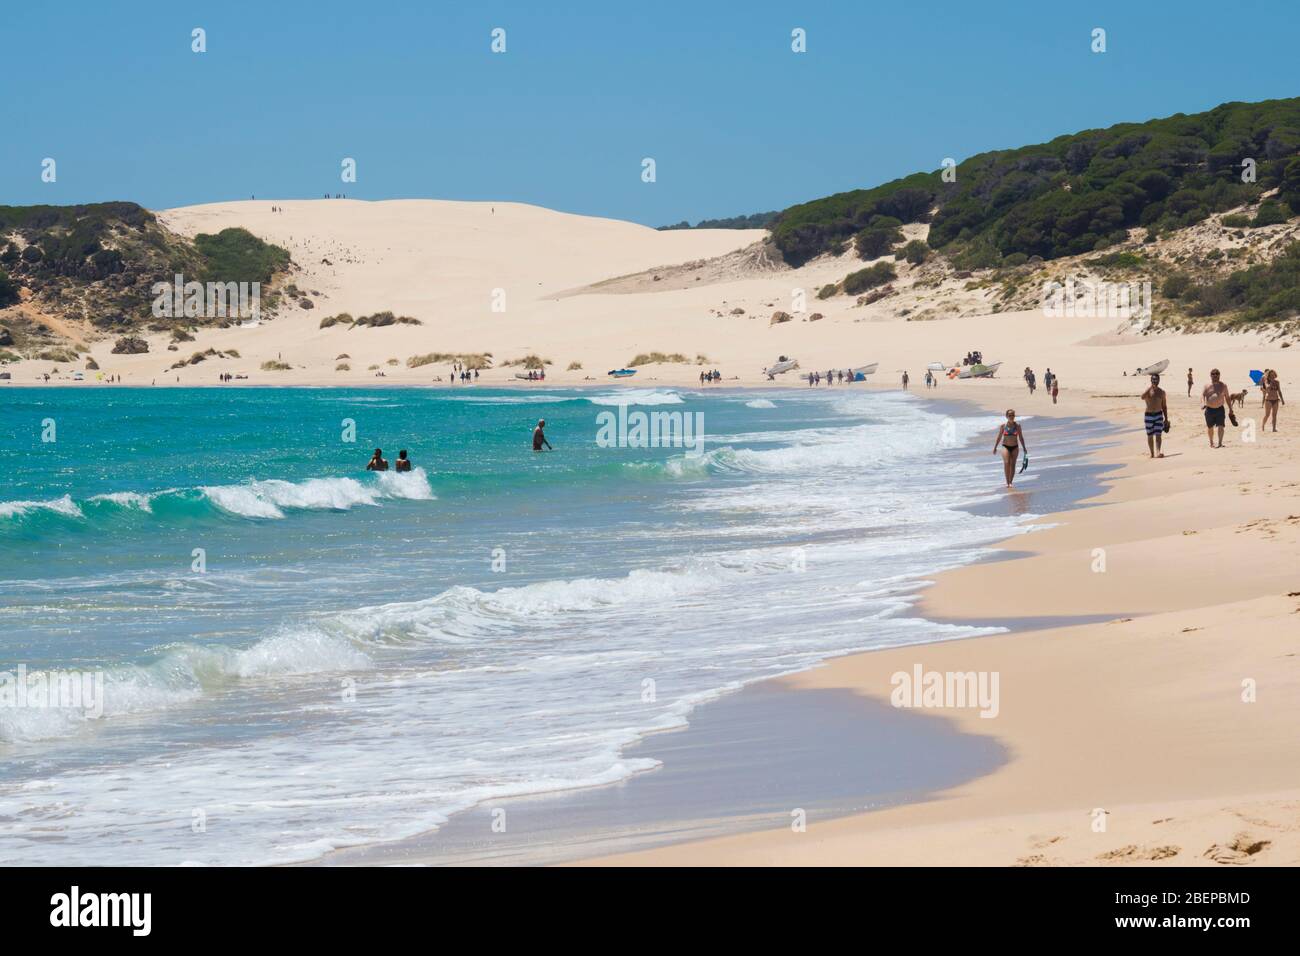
[1056, 388]
[1011, 438]
[905, 380]
[539, 437]
[1029, 379]
[1272, 389]
[1157, 416]
[377, 461]
[1214, 400]
[1189, 383]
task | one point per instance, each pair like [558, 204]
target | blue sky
[736, 122]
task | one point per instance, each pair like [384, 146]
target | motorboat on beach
[783, 365]
[980, 370]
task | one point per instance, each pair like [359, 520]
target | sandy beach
[1146, 718]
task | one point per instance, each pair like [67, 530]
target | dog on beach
[1238, 399]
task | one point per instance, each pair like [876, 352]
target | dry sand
[1141, 719]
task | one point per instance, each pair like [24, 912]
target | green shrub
[8, 290]
[1175, 286]
[657, 358]
[534, 362]
[917, 251]
[881, 235]
[274, 366]
[1270, 214]
[236, 255]
[869, 278]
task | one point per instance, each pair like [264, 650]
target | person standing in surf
[1011, 438]
[1156, 418]
[539, 437]
[377, 461]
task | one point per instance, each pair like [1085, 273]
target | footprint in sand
[1039, 843]
[1133, 853]
[1239, 851]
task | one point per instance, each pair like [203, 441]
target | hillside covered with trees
[1076, 194]
[98, 263]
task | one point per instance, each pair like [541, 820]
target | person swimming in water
[539, 437]
[377, 461]
[1011, 438]
[403, 463]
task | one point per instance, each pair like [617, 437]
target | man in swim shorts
[539, 437]
[1157, 412]
[1214, 400]
[377, 461]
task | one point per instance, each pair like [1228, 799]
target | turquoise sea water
[357, 656]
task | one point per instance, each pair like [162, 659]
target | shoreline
[1131, 741]
[619, 817]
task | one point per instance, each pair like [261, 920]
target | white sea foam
[760, 403]
[128, 499]
[637, 396]
[270, 497]
[64, 506]
[413, 484]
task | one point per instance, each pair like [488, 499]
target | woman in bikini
[1011, 438]
[1272, 389]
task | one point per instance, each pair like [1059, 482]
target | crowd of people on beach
[1050, 382]
[833, 376]
[460, 373]
[707, 378]
[1217, 401]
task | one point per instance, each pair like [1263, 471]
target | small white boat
[937, 367]
[1154, 369]
[866, 369]
[621, 372]
[780, 367]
